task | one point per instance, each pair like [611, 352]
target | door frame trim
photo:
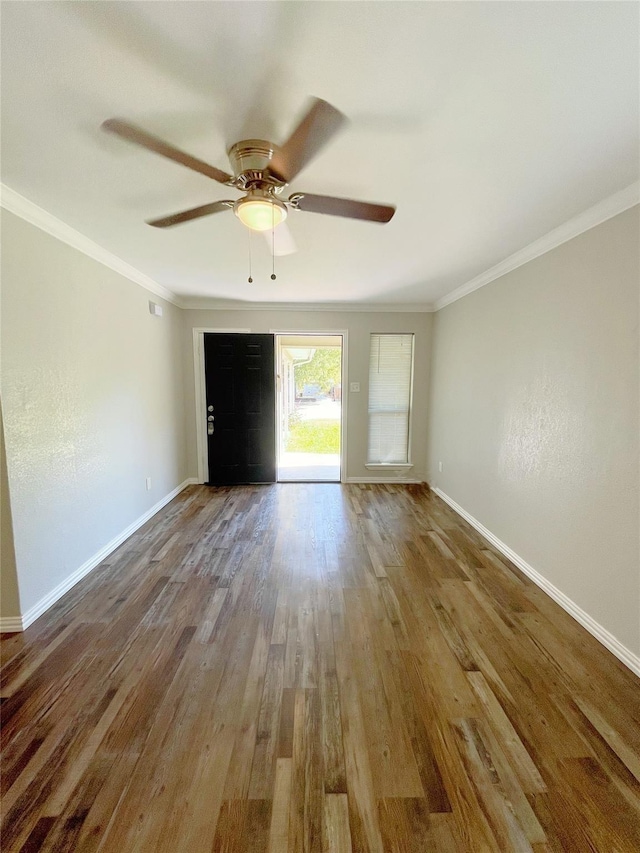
[202, 449]
[344, 333]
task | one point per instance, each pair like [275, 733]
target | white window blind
[390, 378]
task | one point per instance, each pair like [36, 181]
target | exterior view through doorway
[309, 404]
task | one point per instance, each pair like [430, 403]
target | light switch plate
[354, 386]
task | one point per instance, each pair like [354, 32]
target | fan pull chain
[250, 279]
[273, 243]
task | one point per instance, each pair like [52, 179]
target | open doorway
[309, 394]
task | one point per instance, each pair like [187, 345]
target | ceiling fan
[261, 170]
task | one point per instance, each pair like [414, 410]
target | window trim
[388, 465]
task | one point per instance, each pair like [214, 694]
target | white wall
[359, 326]
[534, 415]
[93, 404]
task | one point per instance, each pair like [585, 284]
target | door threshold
[310, 481]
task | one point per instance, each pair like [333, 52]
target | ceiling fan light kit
[261, 170]
[259, 211]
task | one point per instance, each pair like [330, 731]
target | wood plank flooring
[314, 668]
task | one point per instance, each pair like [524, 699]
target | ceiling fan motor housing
[250, 161]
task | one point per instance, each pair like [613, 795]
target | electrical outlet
[440, 467]
[148, 483]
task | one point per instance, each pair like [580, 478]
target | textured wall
[534, 416]
[359, 326]
[93, 404]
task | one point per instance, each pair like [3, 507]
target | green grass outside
[314, 437]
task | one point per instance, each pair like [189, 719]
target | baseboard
[10, 624]
[21, 623]
[601, 634]
[381, 480]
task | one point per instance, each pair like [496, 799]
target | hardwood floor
[314, 668]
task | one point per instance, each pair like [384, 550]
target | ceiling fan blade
[342, 207]
[320, 123]
[194, 213]
[152, 143]
[280, 241]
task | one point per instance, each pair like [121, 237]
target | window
[390, 380]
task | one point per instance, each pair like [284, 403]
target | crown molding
[204, 304]
[601, 212]
[27, 210]
[31, 212]
[605, 209]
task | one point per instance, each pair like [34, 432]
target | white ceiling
[487, 124]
